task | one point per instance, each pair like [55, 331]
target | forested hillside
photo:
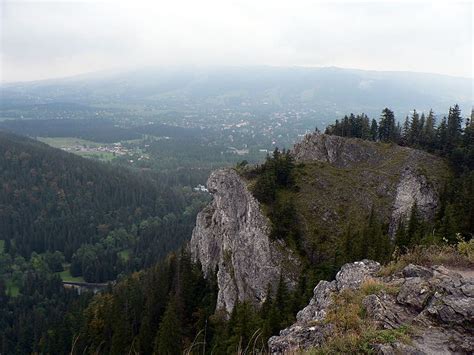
[52, 201]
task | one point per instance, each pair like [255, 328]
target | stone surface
[436, 303]
[413, 187]
[416, 271]
[338, 151]
[232, 235]
[354, 274]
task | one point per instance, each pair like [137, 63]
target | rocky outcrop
[406, 181]
[413, 187]
[232, 237]
[435, 303]
[338, 151]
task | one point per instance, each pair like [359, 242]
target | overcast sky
[45, 39]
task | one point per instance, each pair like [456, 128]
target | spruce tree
[406, 131]
[374, 130]
[429, 132]
[414, 129]
[387, 126]
[454, 126]
[168, 338]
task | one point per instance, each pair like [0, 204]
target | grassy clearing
[352, 332]
[124, 254]
[68, 142]
[104, 156]
[13, 289]
[71, 143]
[460, 255]
[66, 276]
[356, 191]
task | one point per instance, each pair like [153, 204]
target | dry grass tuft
[352, 331]
[460, 255]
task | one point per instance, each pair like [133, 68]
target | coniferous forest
[106, 223]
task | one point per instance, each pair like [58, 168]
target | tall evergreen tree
[429, 132]
[168, 338]
[414, 132]
[374, 130]
[387, 126]
[406, 131]
[454, 126]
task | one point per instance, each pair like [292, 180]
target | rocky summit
[433, 307]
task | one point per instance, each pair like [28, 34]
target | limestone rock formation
[338, 151]
[413, 188]
[436, 303]
[232, 236]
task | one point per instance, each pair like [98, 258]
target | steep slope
[416, 311]
[337, 183]
[232, 237]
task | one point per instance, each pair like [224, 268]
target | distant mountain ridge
[329, 91]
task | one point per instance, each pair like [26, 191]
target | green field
[66, 276]
[124, 254]
[13, 289]
[104, 156]
[2, 246]
[70, 143]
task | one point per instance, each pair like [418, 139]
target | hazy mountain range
[329, 91]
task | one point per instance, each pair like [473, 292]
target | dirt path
[466, 273]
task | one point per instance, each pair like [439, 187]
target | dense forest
[169, 308]
[66, 217]
[55, 201]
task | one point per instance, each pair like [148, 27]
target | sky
[49, 39]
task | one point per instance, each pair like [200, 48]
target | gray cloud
[42, 39]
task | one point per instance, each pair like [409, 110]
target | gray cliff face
[438, 304]
[337, 151]
[413, 188]
[232, 234]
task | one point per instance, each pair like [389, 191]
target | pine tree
[406, 131]
[454, 126]
[414, 133]
[364, 127]
[429, 132]
[374, 130]
[442, 136]
[414, 228]
[421, 130]
[387, 126]
[168, 338]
